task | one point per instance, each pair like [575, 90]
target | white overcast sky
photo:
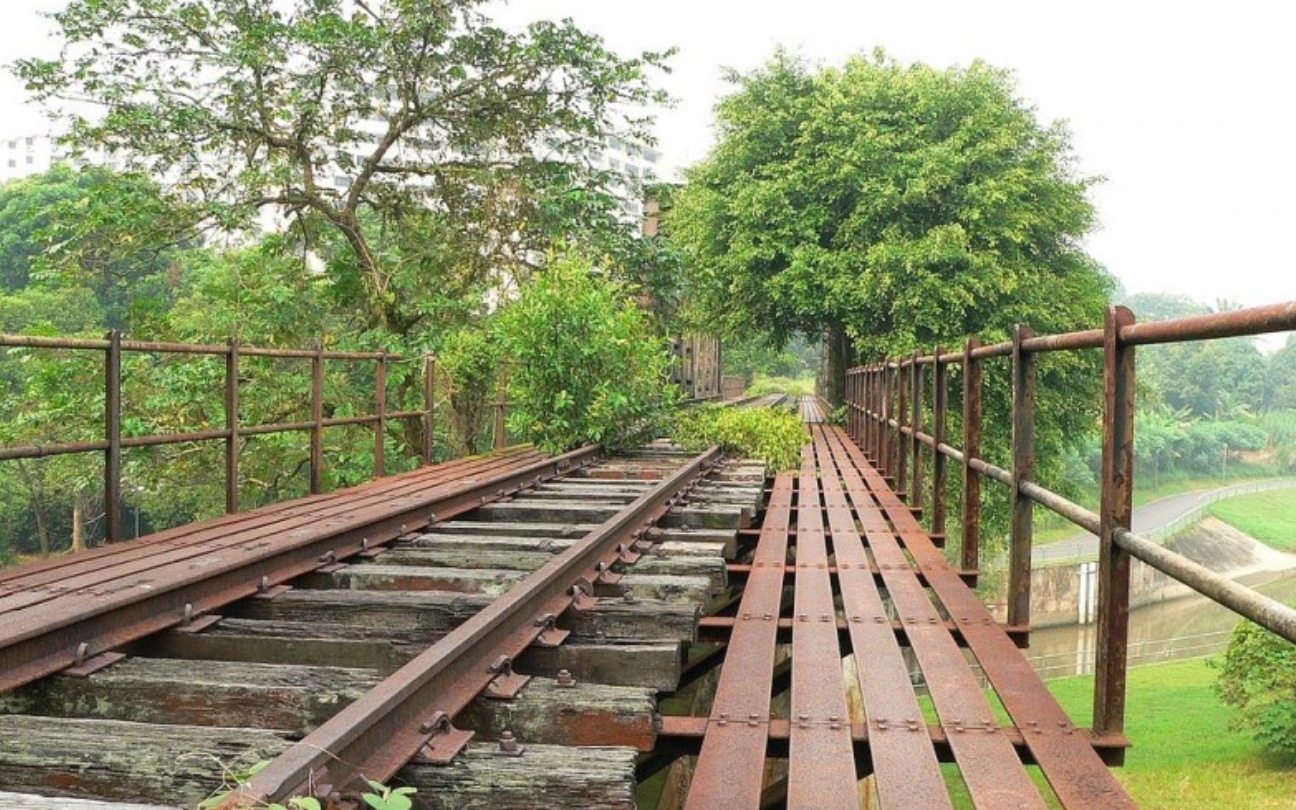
[1187, 108]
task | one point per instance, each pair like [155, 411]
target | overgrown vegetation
[585, 364]
[1257, 676]
[409, 207]
[775, 435]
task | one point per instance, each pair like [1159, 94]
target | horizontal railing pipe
[1265, 611]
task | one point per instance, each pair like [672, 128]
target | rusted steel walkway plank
[987, 760]
[731, 768]
[821, 761]
[1064, 753]
[904, 760]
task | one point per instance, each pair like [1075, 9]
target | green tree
[894, 207]
[366, 121]
[586, 364]
[91, 228]
[1282, 376]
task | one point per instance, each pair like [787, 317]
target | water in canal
[1189, 627]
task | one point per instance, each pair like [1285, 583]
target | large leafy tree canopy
[893, 206]
[362, 121]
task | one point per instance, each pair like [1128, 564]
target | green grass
[793, 387]
[1184, 753]
[1269, 517]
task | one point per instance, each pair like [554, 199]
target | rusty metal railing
[113, 347]
[885, 413]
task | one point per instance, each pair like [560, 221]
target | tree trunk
[838, 355]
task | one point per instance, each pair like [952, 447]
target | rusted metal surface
[404, 715]
[731, 765]
[988, 763]
[1116, 512]
[973, 432]
[1074, 770]
[916, 377]
[904, 762]
[821, 765]
[123, 593]
[1023, 459]
[940, 465]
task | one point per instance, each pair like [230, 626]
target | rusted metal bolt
[565, 679]
[753, 719]
[628, 595]
[508, 744]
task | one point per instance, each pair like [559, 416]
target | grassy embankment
[1269, 517]
[1184, 755]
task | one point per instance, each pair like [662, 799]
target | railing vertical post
[113, 433]
[1023, 458]
[917, 379]
[850, 404]
[232, 425]
[902, 414]
[972, 435]
[317, 421]
[875, 407]
[940, 429]
[429, 406]
[1115, 513]
[380, 411]
[890, 440]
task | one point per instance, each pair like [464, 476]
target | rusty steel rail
[125, 592]
[411, 711]
[884, 419]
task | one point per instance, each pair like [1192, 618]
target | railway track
[427, 629]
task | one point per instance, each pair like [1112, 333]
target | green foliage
[90, 230]
[378, 797]
[470, 361]
[775, 435]
[1282, 376]
[752, 357]
[1257, 676]
[899, 206]
[251, 104]
[586, 365]
[387, 798]
[1281, 428]
[801, 387]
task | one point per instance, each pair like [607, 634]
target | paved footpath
[1147, 518]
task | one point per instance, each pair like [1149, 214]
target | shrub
[775, 435]
[587, 366]
[469, 360]
[1258, 677]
